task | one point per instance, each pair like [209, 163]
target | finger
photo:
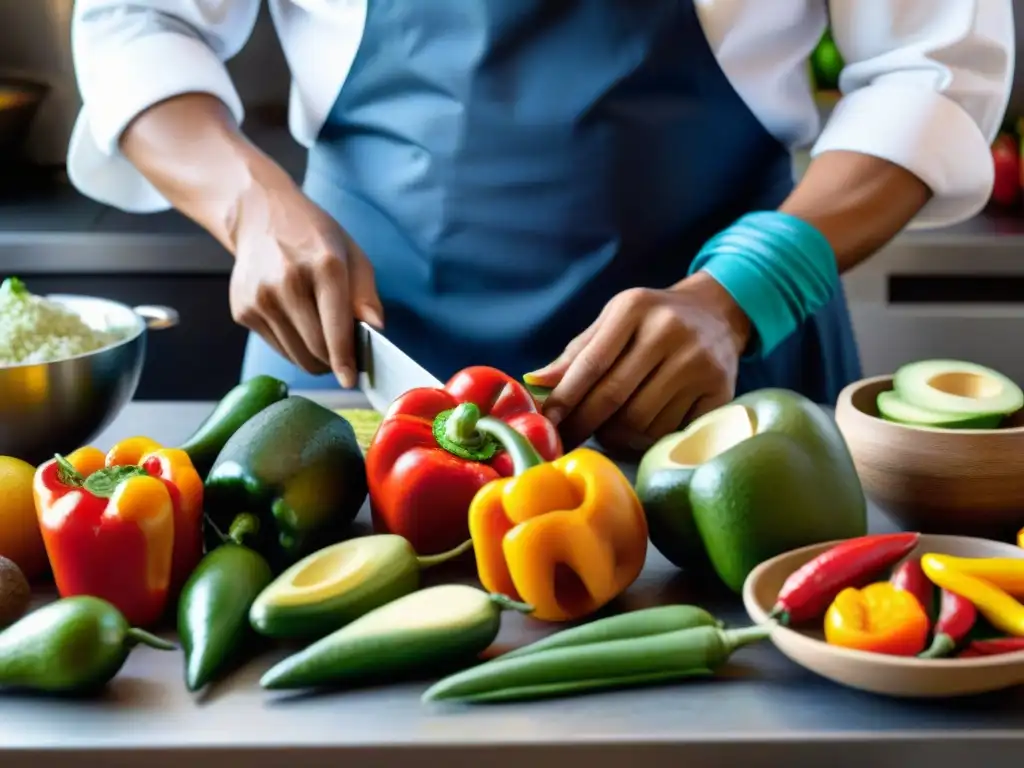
[334, 303]
[291, 342]
[257, 326]
[663, 385]
[301, 307]
[550, 374]
[363, 287]
[672, 416]
[621, 440]
[611, 393]
[589, 366]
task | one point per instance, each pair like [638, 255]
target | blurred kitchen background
[957, 292]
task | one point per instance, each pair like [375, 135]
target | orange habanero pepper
[881, 618]
[565, 536]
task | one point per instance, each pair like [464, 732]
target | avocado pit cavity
[974, 386]
[712, 435]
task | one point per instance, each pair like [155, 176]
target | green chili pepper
[649, 621]
[694, 652]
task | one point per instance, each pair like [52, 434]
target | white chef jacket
[925, 86]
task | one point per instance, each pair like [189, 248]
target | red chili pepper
[811, 589]
[910, 577]
[956, 618]
[993, 647]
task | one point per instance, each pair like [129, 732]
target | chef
[596, 191]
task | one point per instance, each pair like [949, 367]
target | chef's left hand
[652, 361]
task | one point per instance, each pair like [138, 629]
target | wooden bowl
[965, 481]
[876, 672]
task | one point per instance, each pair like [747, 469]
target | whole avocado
[767, 473]
[297, 466]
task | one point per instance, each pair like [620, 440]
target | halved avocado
[957, 388]
[337, 584]
[892, 408]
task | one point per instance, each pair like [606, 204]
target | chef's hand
[652, 361]
[299, 278]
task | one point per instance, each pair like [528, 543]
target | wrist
[779, 270]
[724, 306]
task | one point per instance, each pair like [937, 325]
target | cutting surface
[762, 709]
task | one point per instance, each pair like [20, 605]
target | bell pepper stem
[136, 636]
[461, 426]
[465, 432]
[66, 472]
[523, 454]
[429, 561]
[245, 525]
[508, 604]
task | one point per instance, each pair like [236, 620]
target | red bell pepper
[125, 527]
[423, 472]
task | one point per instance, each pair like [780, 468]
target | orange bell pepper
[881, 618]
[566, 536]
[183, 482]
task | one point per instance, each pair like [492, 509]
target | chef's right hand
[299, 279]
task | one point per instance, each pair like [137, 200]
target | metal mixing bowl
[56, 407]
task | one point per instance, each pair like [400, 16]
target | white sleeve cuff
[923, 131]
[119, 86]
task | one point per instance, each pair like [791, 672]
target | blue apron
[510, 165]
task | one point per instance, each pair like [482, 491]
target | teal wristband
[779, 269]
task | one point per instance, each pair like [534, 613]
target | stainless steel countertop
[762, 711]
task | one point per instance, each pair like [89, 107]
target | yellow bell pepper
[996, 605]
[1020, 538]
[566, 536]
[1007, 573]
[881, 618]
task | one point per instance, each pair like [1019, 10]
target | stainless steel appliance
[35, 44]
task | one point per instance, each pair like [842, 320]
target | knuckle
[665, 322]
[293, 279]
[264, 296]
[328, 263]
[636, 299]
[612, 397]
[244, 315]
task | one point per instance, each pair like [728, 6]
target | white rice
[37, 330]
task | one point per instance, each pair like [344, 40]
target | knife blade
[385, 371]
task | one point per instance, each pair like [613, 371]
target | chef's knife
[385, 371]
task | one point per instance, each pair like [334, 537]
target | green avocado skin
[790, 485]
[298, 467]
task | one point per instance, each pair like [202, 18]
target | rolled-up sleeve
[926, 85]
[130, 55]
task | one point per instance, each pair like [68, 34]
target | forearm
[858, 202]
[190, 148]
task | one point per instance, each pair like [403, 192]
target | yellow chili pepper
[1007, 573]
[1001, 610]
[566, 536]
[881, 618]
